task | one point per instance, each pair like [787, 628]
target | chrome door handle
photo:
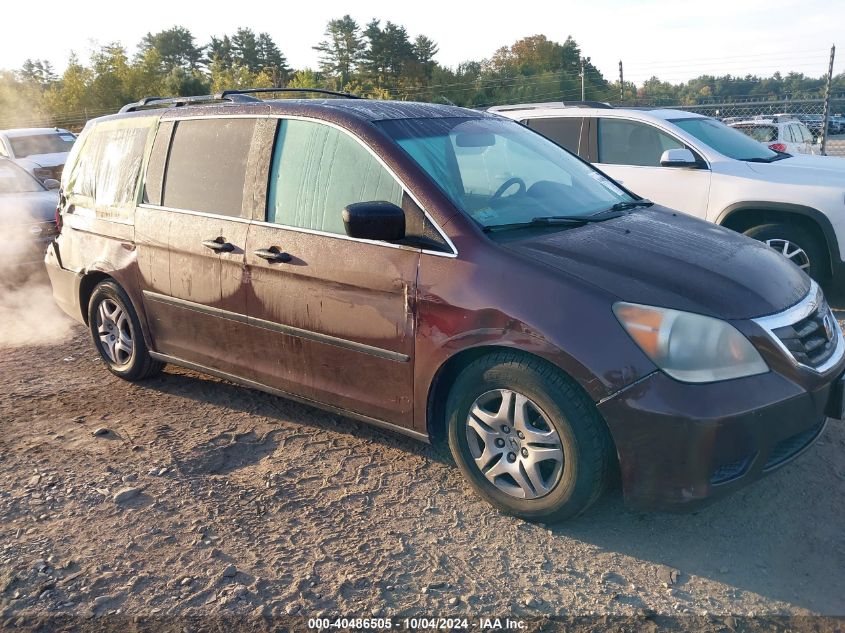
[273, 254]
[219, 245]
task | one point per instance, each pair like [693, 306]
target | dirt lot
[249, 504]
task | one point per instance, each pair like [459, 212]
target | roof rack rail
[251, 91]
[161, 102]
[552, 104]
[235, 96]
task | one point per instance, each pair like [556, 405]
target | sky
[674, 40]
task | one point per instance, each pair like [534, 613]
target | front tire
[117, 334]
[527, 439]
[796, 244]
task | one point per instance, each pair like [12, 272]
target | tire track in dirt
[320, 514]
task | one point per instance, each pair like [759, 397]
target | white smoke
[28, 314]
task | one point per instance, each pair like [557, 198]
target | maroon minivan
[452, 275]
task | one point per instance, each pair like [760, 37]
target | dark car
[451, 275]
[27, 216]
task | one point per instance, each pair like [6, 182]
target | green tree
[185, 83]
[424, 51]
[342, 49]
[110, 72]
[305, 79]
[271, 60]
[37, 71]
[245, 49]
[220, 50]
[388, 53]
[175, 46]
[145, 76]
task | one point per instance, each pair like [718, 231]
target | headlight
[690, 347]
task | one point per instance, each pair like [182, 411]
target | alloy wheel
[791, 251]
[115, 332]
[514, 445]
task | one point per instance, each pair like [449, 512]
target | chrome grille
[811, 341]
[807, 332]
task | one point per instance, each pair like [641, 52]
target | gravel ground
[188, 496]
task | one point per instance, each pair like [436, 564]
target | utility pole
[826, 115]
[621, 83]
[584, 60]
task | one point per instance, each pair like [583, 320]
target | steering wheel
[510, 182]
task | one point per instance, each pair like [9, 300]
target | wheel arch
[95, 276]
[743, 215]
[89, 281]
[446, 373]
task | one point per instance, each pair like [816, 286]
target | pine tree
[245, 49]
[342, 49]
[272, 61]
[175, 47]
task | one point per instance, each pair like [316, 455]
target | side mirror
[374, 221]
[678, 158]
[52, 184]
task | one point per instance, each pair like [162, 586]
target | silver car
[27, 216]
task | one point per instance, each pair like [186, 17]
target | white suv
[789, 136]
[698, 165]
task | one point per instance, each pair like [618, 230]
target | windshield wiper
[575, 220]
[624, 206]
[550, 220]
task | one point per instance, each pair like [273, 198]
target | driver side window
[317, 171]
[624, 142]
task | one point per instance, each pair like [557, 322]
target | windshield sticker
[607, 183]
[70, 138]
[485, 215]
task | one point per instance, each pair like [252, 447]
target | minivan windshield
[501, 173]
[726, 140]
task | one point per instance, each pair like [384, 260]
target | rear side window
[207, 165]
[806, 135]
[624, 142]
[566, 132]
[318, 170]
[788, 133]
[105, 172]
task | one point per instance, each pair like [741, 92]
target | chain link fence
[792, 125]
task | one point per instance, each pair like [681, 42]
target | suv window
[317, 171]
[624, 142]
[789, 134]
[206, 169]
[806, 135]
[566, 132]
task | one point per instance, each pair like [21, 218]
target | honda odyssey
[451, 275]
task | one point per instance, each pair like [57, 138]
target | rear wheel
[117, 335]
[796, 244]
[527, 438]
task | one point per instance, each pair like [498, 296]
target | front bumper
[681, 445]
